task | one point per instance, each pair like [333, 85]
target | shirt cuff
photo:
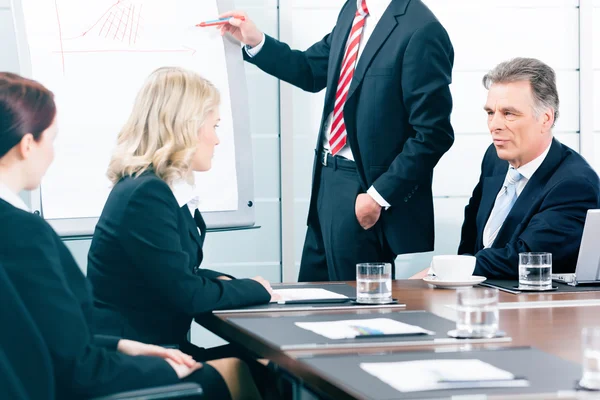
[253, 51]
[377, 197]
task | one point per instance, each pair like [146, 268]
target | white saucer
[470, 281]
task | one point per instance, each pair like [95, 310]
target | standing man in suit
[386, 67]
[534, 192]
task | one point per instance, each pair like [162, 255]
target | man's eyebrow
[510, 109]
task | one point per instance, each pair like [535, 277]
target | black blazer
[143, 266]
[21, 347]
[548, 216]
[58, 298]
[397, 113]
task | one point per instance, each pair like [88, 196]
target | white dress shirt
[376, 9]
[527, 172]
[12, 198]
[185, 193]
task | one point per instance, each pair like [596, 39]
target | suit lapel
[529, 195]
[200, 224]
[192, 225]
[382, 31]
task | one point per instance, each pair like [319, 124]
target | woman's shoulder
[12, 215]
[17, 223]
[146, 188]
[148, 181]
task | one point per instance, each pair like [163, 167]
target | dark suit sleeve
[108, 342]
[88, 370]
[304, 69]
[468, 236]
[557, 229]
[209, 273]
[151, 239]
[426, 76]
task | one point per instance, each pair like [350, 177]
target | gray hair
[541, 77]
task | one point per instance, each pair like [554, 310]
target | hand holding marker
[218, 22]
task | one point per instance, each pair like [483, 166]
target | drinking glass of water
[535, 271]
[477, 311]
[590, 338]
[374, 283]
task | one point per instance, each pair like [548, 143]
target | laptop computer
[587, 271]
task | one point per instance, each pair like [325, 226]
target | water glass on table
[590, 338]
[477, 313]
[374, 283]
[535, 271]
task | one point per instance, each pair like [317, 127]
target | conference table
[551, 322]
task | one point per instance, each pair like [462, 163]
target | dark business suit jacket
[397, 113]
[59, 301]
[144, 266]
[21, 347]
[548, 215]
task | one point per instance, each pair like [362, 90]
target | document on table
[422, 375]
[307, 294]
[352, 328]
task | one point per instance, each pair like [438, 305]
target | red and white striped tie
[337, 139]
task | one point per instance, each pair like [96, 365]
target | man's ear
[25, 146]
[547, 120]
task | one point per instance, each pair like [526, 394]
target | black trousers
[335, 242]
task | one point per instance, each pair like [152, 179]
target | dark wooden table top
[556, 330]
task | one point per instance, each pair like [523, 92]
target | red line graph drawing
[118, 29]
[120, 22]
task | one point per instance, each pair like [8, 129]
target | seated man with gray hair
[534, 192]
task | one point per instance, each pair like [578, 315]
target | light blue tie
[504, 203]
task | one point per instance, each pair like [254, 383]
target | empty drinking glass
[590, 338]
[477, 311]
[374, 283]
[535, 271]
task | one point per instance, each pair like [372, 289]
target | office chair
[25, 365]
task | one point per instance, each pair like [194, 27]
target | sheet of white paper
[414, 376]
[352, 328]
[94, 56]
[307, 294]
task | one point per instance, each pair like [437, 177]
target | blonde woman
[52, 288]
[144, 261]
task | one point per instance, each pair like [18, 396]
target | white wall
[484, 33]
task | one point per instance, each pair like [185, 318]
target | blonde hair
[162, 130]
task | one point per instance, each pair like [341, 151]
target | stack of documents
[422, 375]
[355, 328]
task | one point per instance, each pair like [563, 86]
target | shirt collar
[529, 169]
[184, 192]
[12, 198]
[376, 7]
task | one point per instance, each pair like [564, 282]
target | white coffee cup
[452, 267]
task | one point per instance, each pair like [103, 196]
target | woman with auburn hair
[144, 261]
[52, 287]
